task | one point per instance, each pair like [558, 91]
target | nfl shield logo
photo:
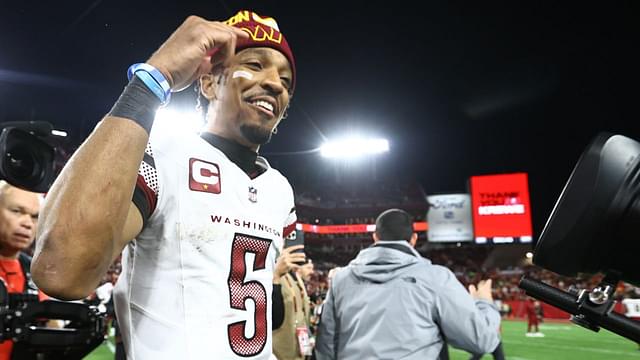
[253, 194]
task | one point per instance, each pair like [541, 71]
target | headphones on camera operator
[27, 161]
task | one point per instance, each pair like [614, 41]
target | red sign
[501, 208]
[353, 228]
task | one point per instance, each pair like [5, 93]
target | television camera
[23, 318]
[27, 161]
[594, 228]
[27, 158]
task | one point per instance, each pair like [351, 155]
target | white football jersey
[197, 282]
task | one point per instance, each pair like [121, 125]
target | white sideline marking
[556, 327]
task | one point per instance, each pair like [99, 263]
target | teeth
[263, 104]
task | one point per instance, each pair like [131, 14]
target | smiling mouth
[263, 106]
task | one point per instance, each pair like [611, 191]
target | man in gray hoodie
[391, 303]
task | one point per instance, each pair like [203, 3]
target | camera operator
[18, 218]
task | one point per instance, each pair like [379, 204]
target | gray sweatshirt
[390, 303]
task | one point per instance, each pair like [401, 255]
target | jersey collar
[243, 157]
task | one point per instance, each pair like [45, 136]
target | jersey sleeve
[290, 224]
[145, 195]
[277, 311]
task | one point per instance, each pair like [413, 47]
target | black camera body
[27, 160]
[23, 318]
[593, 228]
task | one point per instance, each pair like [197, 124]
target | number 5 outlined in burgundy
[240, 291]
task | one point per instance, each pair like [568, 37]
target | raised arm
[287, 261]
[88, 216]
[82, 224]
[468, 321]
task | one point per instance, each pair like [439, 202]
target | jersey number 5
[240, 291]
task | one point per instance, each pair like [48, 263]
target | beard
[256, 134]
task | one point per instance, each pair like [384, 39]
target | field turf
[562, 341]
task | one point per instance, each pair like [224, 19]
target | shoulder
[435, 274]
[438, 269]
[164, 137]
[340, 275]
[275, 175]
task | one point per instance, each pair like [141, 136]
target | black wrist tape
[137, 103]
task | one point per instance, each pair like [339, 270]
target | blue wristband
[153, 79]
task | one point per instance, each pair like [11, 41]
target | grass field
[562, 341]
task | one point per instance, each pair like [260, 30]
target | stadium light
[353, 147]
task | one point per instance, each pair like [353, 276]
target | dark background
[458, 88]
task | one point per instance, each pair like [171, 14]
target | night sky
[458, 88]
